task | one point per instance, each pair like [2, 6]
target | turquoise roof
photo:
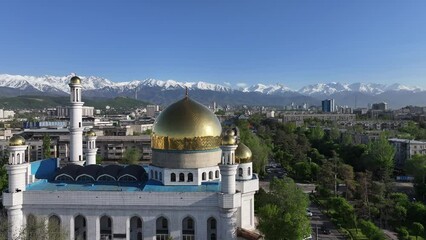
[149, 186]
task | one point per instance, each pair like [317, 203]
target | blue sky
[294, 43]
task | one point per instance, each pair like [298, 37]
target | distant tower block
[91, 148]
[76, 127]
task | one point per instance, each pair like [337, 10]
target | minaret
[243, 158]
[76, 127]
[228, 170]
[17, 173]
[91, 148]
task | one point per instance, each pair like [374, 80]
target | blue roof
[149, 186]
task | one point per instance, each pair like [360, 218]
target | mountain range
[164, 92]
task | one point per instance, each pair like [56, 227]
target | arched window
[106, 227]
[161, 176]
[211, 229]
[135, 228]
[18, 156]
[152, 174]
[173, 177]
[156, 175]
[162, 228]
[188, 229]
[248, 171]
[210, 175]
[181, 177]
[80, 228]
[190, 177]
[54, 227]
[217, 174]
[31, 226]
[203, 176]
[240, 172]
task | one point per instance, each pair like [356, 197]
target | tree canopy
[284, 216]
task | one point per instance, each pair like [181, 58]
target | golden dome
[229, 140]
[186, 125]
[75, 80]
[242, 154]
[91, 133]
[16, 140]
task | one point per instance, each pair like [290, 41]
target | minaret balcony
[12, 199]
[230, 200]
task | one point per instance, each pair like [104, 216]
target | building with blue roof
[200, 184]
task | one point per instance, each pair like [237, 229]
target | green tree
[379, 158]
[46, 146]
[99, 159]
[285, 217]
[416, 166]
[131, 156]
[418, 229]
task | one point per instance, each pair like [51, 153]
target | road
[317, 220]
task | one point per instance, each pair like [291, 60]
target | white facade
[187, 195]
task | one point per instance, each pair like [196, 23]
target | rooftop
[149, 186]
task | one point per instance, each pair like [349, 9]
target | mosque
[200, 184]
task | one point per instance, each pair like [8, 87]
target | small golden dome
[186, 125]
[75, 80]
[230, 132]
[16, 140]
[242, 153]
[229, 140]
[91, 133]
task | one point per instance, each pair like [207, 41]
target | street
[317, 220]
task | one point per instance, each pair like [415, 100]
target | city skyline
[291, 43]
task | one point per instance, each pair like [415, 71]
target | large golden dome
[242, 153]
[186, 125]
[16, 140]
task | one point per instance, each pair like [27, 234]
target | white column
[15, 222]
[91, 150]
[227, 224]
[228, 173]
[76, 125]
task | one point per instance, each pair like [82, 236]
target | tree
[35, 229]
[46, 146]
[418, 229]
[131, 156]
[285, 216]
[417, 167]
[379, 158]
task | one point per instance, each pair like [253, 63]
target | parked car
[325, 230]
[309, 213]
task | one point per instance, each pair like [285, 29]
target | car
[309, 213]
[325, 230]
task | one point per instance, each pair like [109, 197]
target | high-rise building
[328, 105]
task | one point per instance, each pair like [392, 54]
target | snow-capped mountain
[165, 91]
[50, 83]
[267, 89]
[326, 89]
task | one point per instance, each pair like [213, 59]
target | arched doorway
[80, 228]
[106, 228]
[135, 228]
[211, 229]
[162, 228]
[188, 229]
[54, 227]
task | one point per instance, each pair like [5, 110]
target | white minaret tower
[228, 170]
[17, 171]
[91, 147]
[76, 125]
